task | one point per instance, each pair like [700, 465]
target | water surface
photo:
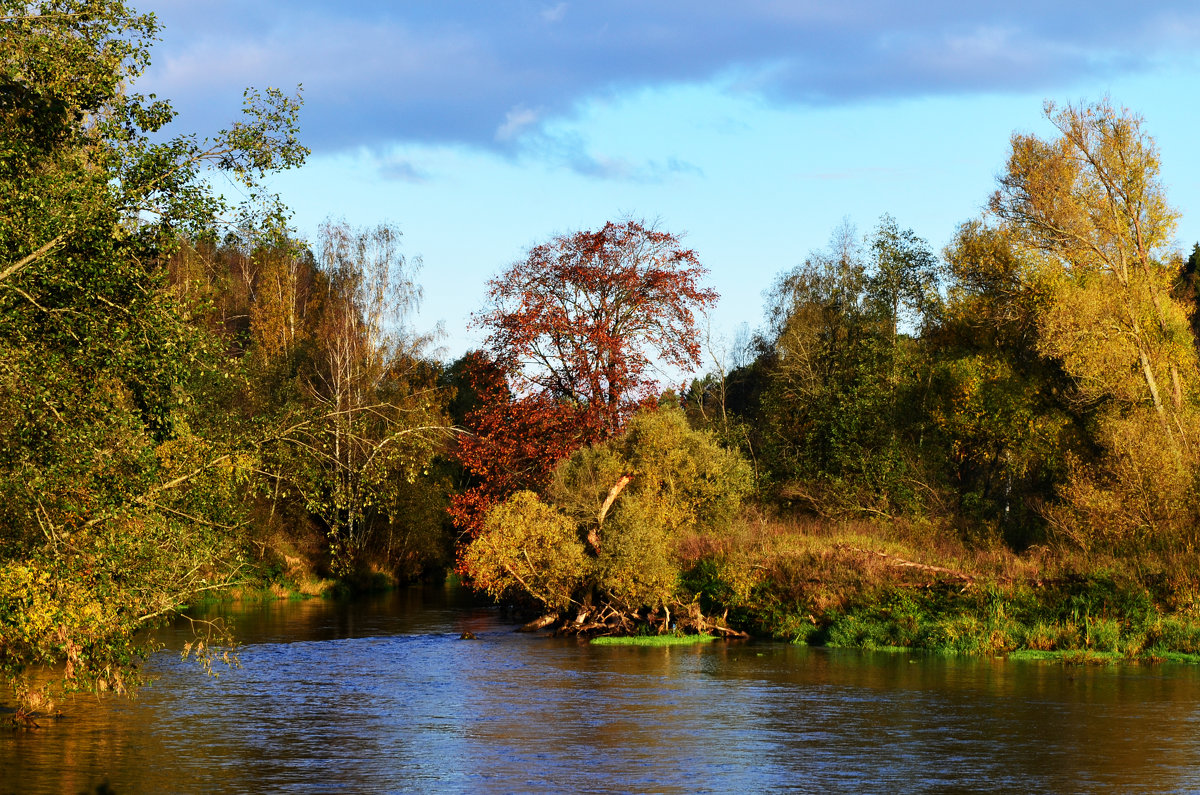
[382, 696]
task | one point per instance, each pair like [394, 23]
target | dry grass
[898, 583]
[825, 563]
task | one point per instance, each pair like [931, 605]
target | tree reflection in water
[381, 695]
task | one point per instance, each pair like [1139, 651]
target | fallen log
[901, 563]
[539, 623]
[727, 632]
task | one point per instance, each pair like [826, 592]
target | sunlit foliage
[631, 500]
[573, 332]
[1089, 210]
[115, 499]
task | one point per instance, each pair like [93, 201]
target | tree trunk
[593, 536]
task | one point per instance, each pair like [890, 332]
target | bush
[527, 547]
[674, 482]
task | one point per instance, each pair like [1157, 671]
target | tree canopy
[586, 316]
[575, 333]
[116, 493]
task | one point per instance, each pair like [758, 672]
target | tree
[1088, 209]
[575, 331]
[1091, 205]
[510, 444]
[114, 509]
[528, 549]
[841, 391]
[586, 317]
[604, 544]
[903, 282]
[377, 425]
[997, 411]
[331, 393]
[1187, 288]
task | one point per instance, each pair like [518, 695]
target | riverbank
[892, 585]
[904, 585]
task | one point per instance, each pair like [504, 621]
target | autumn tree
[1091, 205]
[578, 329]
[586, 317]
[1088, 208]
[280, 286]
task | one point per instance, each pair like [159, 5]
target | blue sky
[482, 128]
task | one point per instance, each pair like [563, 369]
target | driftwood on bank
[539, 623]
[967, 580]
[609, 620]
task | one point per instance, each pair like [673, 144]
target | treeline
[1033, 389]
[189, 399]
[333, 403]
[1037, 382]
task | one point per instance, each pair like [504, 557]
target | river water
[381, 695]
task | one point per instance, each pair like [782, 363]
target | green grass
[1070, 656]
[652, 640]
[1088, 657]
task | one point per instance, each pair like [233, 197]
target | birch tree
[1088, 208]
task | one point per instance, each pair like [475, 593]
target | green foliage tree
[113, 501]
[902, 286]
[627, 503]
[999, 425]
[842, 381]
[1187, 288]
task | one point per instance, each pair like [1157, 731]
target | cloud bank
[489, 75]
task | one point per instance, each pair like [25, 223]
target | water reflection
[383, 696]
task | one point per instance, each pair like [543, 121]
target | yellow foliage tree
[607, 536]
[527, 547]
[1089, 210]
[1090, 205]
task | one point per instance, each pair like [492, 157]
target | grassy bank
[1094, 617]
[903, 585]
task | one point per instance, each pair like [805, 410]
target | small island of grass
[652, 640]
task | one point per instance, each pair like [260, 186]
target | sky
[754, 129]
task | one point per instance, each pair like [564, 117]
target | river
[381, 695]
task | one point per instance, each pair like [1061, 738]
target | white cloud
[516, 122]
[378, 72]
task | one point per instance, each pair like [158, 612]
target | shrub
[633, 499]
[527, 547]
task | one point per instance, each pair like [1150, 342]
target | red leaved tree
[577, 329]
